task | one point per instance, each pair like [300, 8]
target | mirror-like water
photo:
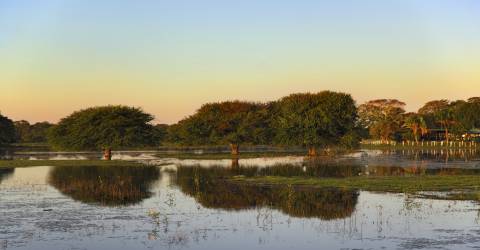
[186, 204]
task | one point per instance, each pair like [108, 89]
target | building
[472, 135]
[434, 135]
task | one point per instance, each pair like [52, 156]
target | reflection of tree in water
[5, 173]
[105, 185]
[5, 153]
[437, 154]
[212, 191]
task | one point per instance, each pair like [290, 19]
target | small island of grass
[462, 187]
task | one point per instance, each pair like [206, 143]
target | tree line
[22, 131]
[386, 119]
[311, 120]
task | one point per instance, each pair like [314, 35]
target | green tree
[416, 124]
[161, 132]
[466, 114]
[231, 122]
[106, 127]
[315, 120]
[382, 117]
[7, 130]
[439, 112]
[25, 132]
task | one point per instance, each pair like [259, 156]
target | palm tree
[416, 124]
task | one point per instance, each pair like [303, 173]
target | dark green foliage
[27, 133]
[416, 125]
[7, 130]
[383, 118]
[436, 111]
[351, 140]
[232, 122]
[161, 132]
[322, 119]
[104, 127]
[454, 118]
[467, 115]
[440, 113]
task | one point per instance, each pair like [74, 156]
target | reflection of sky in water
[34, 215]
[262, 162]
[427, 158]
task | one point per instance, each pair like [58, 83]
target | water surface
[186, 204]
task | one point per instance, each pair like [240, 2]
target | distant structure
[472, 135]
[434, 135]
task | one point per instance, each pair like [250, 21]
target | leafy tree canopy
[416, 124]
[440, 113]
[433, 107]
[474, 100]
[104, 127]
[466, 115]
[7, 130]
[231, 122]
[26, 132]
[383, 117]
[315, 119]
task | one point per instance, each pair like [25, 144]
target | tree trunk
[235, 163]
[383, 140]
[446, 134]
[234, 148]
[107, 154]
[312, 151]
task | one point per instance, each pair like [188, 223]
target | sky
[170, 57]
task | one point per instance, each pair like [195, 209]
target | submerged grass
[62, 163]
[407, 184]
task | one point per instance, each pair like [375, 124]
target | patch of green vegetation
[399, 146]
[62, 163]
[407, 184]
[29, 144]
[221, 155]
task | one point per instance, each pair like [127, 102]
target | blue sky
[169, 57]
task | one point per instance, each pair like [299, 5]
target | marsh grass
[406, 184]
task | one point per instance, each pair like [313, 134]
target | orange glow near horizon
[169, 58]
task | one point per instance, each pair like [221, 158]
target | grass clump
[405, 184]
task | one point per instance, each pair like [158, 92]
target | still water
[186, 204]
